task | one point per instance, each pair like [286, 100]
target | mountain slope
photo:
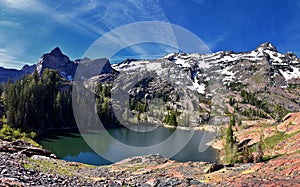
[249, 83]
[282, 69]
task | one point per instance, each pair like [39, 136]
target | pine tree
[230, 147]
[229, 133]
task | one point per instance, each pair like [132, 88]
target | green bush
[14, 134]
[6, 130]
[32, 135]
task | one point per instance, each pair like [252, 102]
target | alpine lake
[108, 145]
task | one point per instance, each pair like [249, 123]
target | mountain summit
[56, 51]
[58, 61]
[267, 46]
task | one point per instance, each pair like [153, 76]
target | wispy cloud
[90, 17]
[118, 13]
[11, 24]
[114, 13]
[20, 5]
[216, 41]
[62, 17]
[9, 56]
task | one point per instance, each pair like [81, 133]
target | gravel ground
[18, 168]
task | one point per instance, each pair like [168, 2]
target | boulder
[30, 151]
[26, 148]
[212, 168]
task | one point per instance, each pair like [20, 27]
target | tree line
[39, 102]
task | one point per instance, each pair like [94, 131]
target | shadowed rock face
[67, 68]
[58, 61]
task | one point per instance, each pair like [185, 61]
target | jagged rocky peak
[96, 67]
[107, 68]
[98, 70]
[58, 61]
[56, 51]
[267, 46]
[291, 56]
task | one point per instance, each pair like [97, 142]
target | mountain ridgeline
[260, 84]
[14, 74]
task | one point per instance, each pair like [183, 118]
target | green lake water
[72, 146]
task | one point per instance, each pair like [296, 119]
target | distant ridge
[286, 65]
[14, 74]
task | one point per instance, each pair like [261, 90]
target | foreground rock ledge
[18, 169]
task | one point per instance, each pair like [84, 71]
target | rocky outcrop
[24, 148]
[98, 69]
[266, 46]
[281, 171]
[290, 124]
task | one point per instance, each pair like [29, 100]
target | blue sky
[30, 28]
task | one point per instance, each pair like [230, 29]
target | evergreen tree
[171, 118]
[229, 133]
[231, 146]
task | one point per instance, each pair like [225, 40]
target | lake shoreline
[20, 170]
[204, 127]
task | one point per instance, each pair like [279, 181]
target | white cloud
[11, 53]
[9, 58]
[91, 5]
[29, 5]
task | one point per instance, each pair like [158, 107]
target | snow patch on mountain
[288, 75]
[228, 66]
[200, 88]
